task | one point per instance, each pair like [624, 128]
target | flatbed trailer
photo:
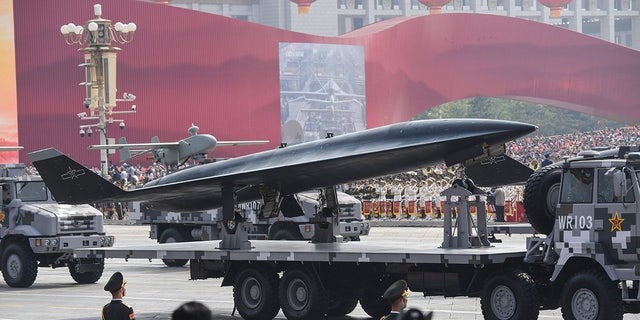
[369, 251]
[331, 278]
[309, 280]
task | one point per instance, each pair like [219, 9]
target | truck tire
[19, 266]
[255, 293]
[170, 236]
[340, 306]
[541, 195]
[301, 295]
[590, 295]
[372, 303]
[285, 232]
[510, 295]
[86, 277]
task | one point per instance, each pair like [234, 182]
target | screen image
[322, 90]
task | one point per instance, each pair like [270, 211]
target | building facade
[616, 21]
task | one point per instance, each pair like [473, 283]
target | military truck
[294, 221]
[587, 264]
[35, 231]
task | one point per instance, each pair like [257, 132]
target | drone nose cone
[522, 127]
[502, 131]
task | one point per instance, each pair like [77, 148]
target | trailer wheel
[19, 266]
[340, 306]
[510, 295]
[231, 225]
[255, 293]
[171, 236]
[285, 234]
[86, 277]
[301, 295]
[590, 295]
[541, 195]
[372, 303]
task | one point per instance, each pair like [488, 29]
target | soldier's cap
[396, 291]
[115, 282]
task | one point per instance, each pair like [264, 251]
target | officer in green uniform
[396, 295]
[116, 309]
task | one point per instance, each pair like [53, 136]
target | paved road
[155, 290]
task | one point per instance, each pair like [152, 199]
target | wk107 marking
[575, 222]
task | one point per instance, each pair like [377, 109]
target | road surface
[154, 290]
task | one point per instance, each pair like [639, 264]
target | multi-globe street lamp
[100, 73]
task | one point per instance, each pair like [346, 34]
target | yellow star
[616, 222]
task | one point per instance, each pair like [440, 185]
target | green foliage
[550, 121]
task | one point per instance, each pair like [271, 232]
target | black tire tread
[30, 264]
[343, 306]
[535, 193]
[371, 300]
[528, 304]
[317, 310]
[175, 234]
[609, 290]
[270, 307]
[86, 277]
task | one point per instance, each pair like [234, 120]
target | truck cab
[297, 211]
[597, 214]
[35, 231]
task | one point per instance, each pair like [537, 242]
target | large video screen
[322, 90]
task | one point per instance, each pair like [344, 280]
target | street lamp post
[100, 73]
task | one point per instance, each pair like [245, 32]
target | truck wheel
[301, 296]
[590, 295]
[372, 303]
[231, 226]
[541, 195]
[340, 306]
[286, 234]
[170, 236]
[510, 295]
[19, 266]
[86, 277]
[255, 293]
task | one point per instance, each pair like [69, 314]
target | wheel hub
[298, 294]
[14, 266]
[585, 305]
[503, 302]
[252, 293]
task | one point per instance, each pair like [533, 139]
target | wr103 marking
[575, 222]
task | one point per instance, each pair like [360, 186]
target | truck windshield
[31, 191]
[577, 186]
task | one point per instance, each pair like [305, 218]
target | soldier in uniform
[116, 309]
[396, 295]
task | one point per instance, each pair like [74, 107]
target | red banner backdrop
[222, 74]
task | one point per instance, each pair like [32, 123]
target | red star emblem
[616, 222]
[1, 216]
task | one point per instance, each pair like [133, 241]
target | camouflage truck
[35, 231]
[589, 208]
[294, 221]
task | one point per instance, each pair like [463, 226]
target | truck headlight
[47, 242]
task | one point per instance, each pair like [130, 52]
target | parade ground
[155, 290]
